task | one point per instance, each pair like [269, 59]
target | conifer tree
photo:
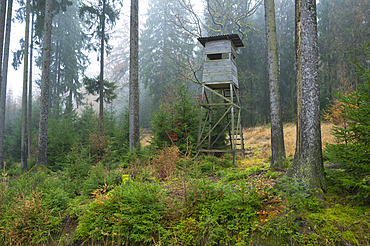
[100, 17]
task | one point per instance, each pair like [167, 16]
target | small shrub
[176, 121]
[61, 136]
[76, 170]
[77, 206]
[165, 162]
[29, 221]
[97, 177]
[132, 213]
[54, 196]
[352, 151]
[221, 214]
[188, 231]
[343, 183]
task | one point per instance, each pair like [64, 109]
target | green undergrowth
[204, 202]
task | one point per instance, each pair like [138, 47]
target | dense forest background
[170, 56]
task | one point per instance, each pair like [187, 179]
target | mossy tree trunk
[277, 136]
[308, 164]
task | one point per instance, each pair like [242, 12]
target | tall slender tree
[2, 26]
[166, 49]
[343, 27]
[308, 164]
[69, 61]
[101, 77]
[134, 75]
[277, 136]
[29, 120]
[24, 151]
[45, 77]
[106, 14]
[4, 80]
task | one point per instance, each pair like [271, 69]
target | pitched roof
[233, 37]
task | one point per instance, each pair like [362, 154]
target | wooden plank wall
[220, 46]
[220, 71]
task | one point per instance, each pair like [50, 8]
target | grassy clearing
[259, 139]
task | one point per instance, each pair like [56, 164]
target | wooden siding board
[218, 46]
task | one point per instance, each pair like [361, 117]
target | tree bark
[101, 77]
[57, 102]
[308, 164]
[134, 76]
[24, 151]
[45, 77]
[4, 80]
[277, 136]
[2, 26]
[30, 92]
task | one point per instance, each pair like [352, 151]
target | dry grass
[258, 142]
[164, 164]
[258, 139]
[145, 140]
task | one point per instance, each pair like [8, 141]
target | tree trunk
[30, 92]
[101, 77]
[57, 102]
[4, 80]
[69, 102]
[54, 95]
[308, 165]
[2, 26]
[24, 151]
[277, 136]
[134, 76]
[45, 77]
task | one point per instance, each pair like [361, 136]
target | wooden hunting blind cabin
[220, 96]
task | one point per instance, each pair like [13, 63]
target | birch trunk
[4, 80]
[308, 164]
[45, 77]
[24, 151]
[134, 77]
[277, 136]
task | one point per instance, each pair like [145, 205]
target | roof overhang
[233, 37]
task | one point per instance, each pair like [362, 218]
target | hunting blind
[220, 102]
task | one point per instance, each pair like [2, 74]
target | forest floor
[337, 221]
[207, 202]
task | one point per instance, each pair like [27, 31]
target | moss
[342, 222]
